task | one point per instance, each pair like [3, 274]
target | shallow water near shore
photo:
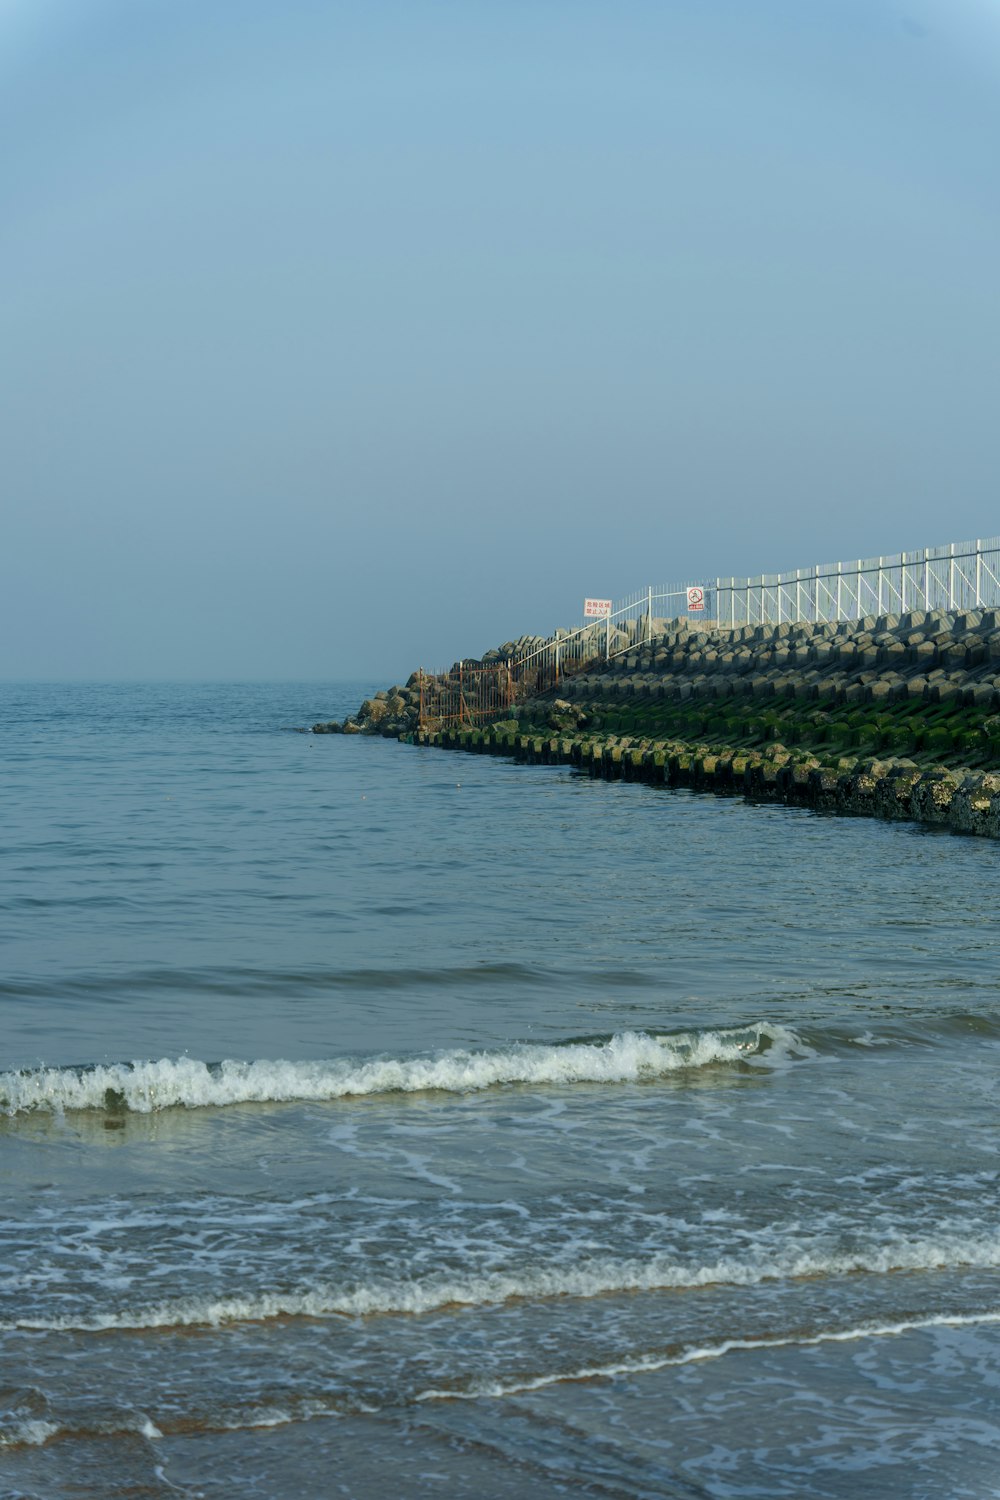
[379, 1120]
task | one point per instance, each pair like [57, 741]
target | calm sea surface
[377, 1121]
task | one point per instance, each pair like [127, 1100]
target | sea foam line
[593, 1278]
[35, 1432]
[647, 1364]
[627, 1057]
[38, 1433]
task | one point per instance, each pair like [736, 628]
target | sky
[339, 338]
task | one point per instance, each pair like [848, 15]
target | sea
[381, 1121]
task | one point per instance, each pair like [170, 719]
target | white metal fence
[633, 620]
[955, 577]
[958, 576]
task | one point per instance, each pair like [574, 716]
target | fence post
[649, 613]
[951, 577]
[607, 636]
[979, 572]
[927, 580]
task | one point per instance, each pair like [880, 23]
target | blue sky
[343, 337]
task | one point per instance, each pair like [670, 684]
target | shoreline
[893, 717]
[961, 801]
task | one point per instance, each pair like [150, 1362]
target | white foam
[28, 1434]
[594, 1277]
[147, 1086]
[649, 1363]
[34, 1432]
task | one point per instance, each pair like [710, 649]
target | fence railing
[957, 576]
[472, 692]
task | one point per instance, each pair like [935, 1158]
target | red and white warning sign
[696, 599]
[596, 609]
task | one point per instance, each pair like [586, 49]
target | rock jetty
[891, 716]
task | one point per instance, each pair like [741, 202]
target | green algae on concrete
[892, 717]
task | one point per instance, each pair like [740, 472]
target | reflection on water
[537, 1134]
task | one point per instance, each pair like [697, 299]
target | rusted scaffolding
[468, 693]
[471, 693]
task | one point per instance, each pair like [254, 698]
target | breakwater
[892, 716]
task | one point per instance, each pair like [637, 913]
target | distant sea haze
[478, 1128]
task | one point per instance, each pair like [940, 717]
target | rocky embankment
[392, 713]
[894, 717]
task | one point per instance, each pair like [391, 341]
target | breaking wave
[597, 1276]
[627, 1057]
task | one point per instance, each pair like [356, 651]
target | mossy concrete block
[724, 767]
[823, 783]
[894, 793]
[975, 806]
[932, 795]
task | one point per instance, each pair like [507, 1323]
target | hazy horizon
[342, 340]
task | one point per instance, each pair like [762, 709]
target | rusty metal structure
[469, 693]
[472, 693]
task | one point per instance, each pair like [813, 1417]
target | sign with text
[696, 599]
[596, 609]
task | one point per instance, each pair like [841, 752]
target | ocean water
[377, 1121]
